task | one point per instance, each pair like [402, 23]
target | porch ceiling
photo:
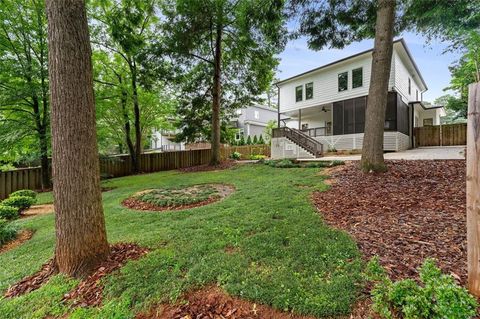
[309, 111]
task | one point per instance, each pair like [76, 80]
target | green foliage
[7, 231]
[235, 156]
[288, 163]
[269, 131]
[241, 142]
[19, 202]
[260, 140]
[255, 140]
[24, 192]
[8, 212]
[436, 297]
[257, 157]
[249, 140]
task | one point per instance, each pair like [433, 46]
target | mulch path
[212, 302]
[415, 210]
[207, 168]
[22, 237]
[136, 204]
[89, 290]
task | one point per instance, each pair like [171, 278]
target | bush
[242, 141]
[24, 192]
[7, 231]
[261, 140]
[249, 140]
[235, 156]
[257, 157]
[20, 202]
[255, 140]
[437, 296]
[8, 212]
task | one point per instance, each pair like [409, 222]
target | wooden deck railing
[308, 143]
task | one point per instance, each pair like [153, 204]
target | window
[357, 78]
[343, 81]
[409, 86]
[239, 134]
[309, 91]
[299, 93]
[257, 115]
[427, 122]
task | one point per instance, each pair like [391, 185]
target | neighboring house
[164, 140]
[325, 107]
[252, 120]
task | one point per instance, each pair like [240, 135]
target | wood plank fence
[441, 135]
[117, 166]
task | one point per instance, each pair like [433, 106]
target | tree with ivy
[24, 85]
[229, 47]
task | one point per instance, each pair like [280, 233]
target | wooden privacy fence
[441, 135]
[117, 166]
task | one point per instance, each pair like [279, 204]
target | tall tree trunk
[42, 143]
[128, 138]
[372, 152]
[81, 240]
[136, 111]
[217, 95]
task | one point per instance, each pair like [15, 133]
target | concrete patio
[421, 153]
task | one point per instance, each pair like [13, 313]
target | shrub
[235, 156]
[7, 231]
[8, 212]
[24, 192]
[20, 202]
[286, 163]
[261, 140]
[255, 140]
[257, 157]
[242, 141]
[437, 296]
[249, 140]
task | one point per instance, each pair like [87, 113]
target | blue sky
[431, 61]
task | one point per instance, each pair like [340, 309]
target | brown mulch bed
[414, 211]
[207, 168]
[212, 302]
[21, 237]
[89, 290]
[37, 210]
[133, 203]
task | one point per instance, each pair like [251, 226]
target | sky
[430, 59]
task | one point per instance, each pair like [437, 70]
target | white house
[324, 108]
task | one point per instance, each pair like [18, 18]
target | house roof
[401, 41]
[433, 107]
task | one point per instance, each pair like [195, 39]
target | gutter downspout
[278, 105]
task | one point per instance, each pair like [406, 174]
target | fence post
[473, 189]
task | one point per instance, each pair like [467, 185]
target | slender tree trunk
[128, 138]
[372, 152]
[217, 95]
[81, 240]
[136, 111]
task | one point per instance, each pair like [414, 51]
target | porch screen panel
[349, 116]
[338, 118]
[391, 112]
[360, 105]
[402, 117]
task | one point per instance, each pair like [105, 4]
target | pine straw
[89, 291]
[415, 210]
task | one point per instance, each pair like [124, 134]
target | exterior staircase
[304, 141]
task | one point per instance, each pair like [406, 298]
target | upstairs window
[357, 78]
[409, 86]
[299, 93]
[342, 81]
[309, 91]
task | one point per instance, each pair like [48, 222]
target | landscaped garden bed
[414, 211]
[178, 198]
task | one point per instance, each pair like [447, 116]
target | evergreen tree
[255, 140]
[249, 140]
[260, 140]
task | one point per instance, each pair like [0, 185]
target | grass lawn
[283, 254]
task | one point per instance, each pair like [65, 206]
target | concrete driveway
[421, 153]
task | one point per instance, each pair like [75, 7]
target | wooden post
[473, 189]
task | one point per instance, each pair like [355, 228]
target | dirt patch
[208, 168]
[22, 237]
[222, 191]
[89, 291]
[37, 210]
[212, 302]
[414, 211]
